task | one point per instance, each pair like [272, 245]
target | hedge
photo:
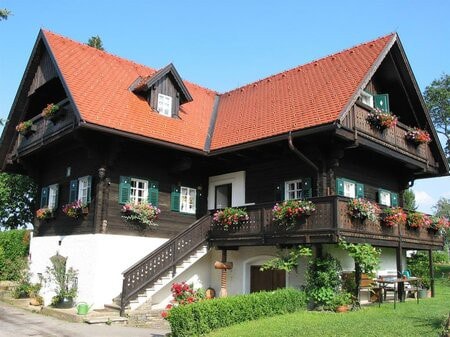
[14, 247]
[202, 317]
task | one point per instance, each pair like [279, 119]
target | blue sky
[225, 44]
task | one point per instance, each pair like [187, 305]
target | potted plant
[50, 111]
[438, 224]
[64, 281]
[340, 301]
[230, 216]
[143, 214]
[25, 127]
[44, 213]
[74, 209]
[418, 136]
[381, 120]
[415, 220]
[363, 209]
[290, 211]
[393, 216]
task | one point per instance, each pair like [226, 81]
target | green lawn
[409, 319]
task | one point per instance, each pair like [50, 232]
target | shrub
[14, 247]
[202, 317]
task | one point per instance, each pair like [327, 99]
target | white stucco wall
[99, 258]
[237, 181]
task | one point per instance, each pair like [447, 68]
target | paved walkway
[16, 322]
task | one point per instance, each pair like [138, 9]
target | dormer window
[164, 105]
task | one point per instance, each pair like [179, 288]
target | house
[125, 132]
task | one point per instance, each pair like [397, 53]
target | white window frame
[349, 189]
[367, 98]
[164, 105]
[188, 202]
[134, 191]
[297, 190]
[83, 189]
[385, 198]
[52, 195]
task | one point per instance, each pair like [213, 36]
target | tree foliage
[409, 200]
[4, 13]
[95, 42]
[442, 207]
[17, 195]
[437, 99]
[287, 260]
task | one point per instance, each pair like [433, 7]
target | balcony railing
[329, 222]
[393, 138]
[45, 130]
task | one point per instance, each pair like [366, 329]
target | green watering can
[83, 308]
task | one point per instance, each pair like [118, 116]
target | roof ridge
[306, 64]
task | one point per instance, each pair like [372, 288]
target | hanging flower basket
[44, 213]
[393, 216]
[142, 215]
[290, 211]
[25, 128]
[418, 136]
[381, 120]
[230, 216]
[363, 209]
[74, 209]
[50, 111]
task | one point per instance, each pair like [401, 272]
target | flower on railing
[289, 211]
[74, 209]
[230, 216]
[393, 216]
[141, 214]
[50, 110]
[44, 213]
[418, 136]
[363, 209]
[24, 127]
[438, 224]
[182, 294]
[381, 120]
[415, 220]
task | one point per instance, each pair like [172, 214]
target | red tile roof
[306, 96]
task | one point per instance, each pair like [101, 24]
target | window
[293, 189]
[367, 98]
[187, 200]
[80, 189]
[164, 105]
[387, 198]
[138, 191]
[49, 196]
[349, 188]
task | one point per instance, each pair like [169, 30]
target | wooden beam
[430, 259]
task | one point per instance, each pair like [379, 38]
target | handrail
[165, 258]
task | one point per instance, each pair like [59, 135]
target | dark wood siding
[45, 72]
[165, 86]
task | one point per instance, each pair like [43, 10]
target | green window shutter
[339, 186]
[56, 196]
[44, 197]
[175, 198]
[307, 187]
[124, 189]
[381, 102]
[153, 190]
[73, 191]
[359, 190]
[89, 179]
[394, 199]
[279, 192]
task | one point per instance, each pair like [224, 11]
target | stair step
[106, 320]
[112, 306]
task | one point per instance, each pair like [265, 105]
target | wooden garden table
[384, 281]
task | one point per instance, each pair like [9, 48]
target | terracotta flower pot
[342, 308]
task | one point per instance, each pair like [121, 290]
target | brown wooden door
[266, 280]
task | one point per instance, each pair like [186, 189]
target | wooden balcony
[392, 138]
[45, 130]
[326, 225]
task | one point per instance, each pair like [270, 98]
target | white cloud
[424, 200]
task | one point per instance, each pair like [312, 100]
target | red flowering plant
[438, 224]
[418, 136]
[381, 120]
[415, 220]
[290, 211]
[50, 110]
[363, 209]
[44, 213]
[182, 294]
[73, 209]
[230, 216]
[141, 214]
[24, 127]
[393, 216]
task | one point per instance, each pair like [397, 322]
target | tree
[442, 207]
[17, 195]
[409, 200]
[437, 99]
[96, 42]
[4, 13]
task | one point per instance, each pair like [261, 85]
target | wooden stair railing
[148, 270]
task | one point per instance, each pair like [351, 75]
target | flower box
[289, 212]
[44, 213]
[418, 136]
[393, 216]
[381, 120]
[26, 128]
[74, 209]
[438, 224]
[52, 112]
[363, 209]
[416, 220]
[229, 216]
[142, 215]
